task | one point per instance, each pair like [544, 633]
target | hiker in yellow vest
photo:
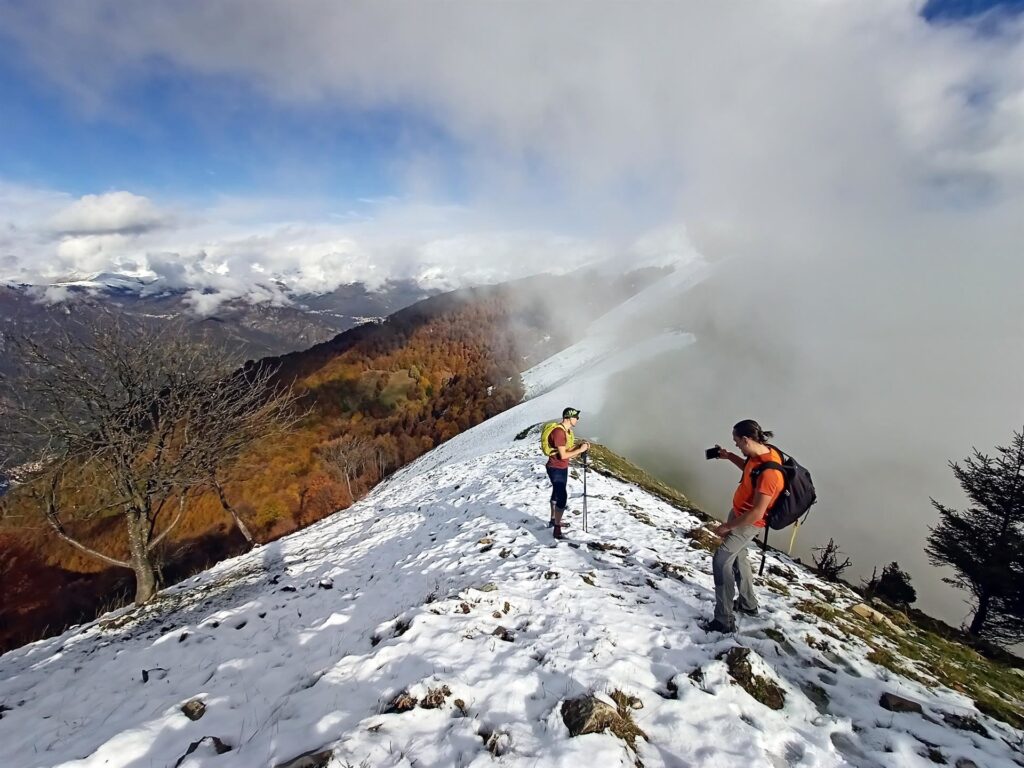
[558, 444]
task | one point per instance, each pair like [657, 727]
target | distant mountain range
[256, 329]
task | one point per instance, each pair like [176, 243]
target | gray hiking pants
[732, 570]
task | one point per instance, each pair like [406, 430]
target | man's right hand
[584, 447]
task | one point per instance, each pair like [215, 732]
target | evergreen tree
[984, 544]
[892, 586]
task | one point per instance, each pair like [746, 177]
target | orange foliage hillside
[398, 388]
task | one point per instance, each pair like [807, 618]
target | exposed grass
[538, 426]
[821, 610]
[883, 657]
[775, 635]
[931, 658]
[604, 547]
[701, 537]
[680, 572]
[782, 573]
[403, 702]
[762, 689]
[777, 587]
[643, 517]
[435, 697]
[996, 689]
[625, 727]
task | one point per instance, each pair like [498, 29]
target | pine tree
[984, 544]
[894, 586]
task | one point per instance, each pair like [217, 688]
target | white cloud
[726, 94]
[224, 253]
[109, 213]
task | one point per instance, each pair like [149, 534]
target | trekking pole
[585, 489]
[764, 552]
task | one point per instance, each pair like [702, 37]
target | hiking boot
[551, 524]
[716, 626]
[746, 612]
[558, 532]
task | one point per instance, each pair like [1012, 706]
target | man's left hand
[722, 531]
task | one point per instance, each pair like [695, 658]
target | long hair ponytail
[751, 429]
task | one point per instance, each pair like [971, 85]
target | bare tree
[827, 562]
[347, 456]
[119, 419]
[384, 458]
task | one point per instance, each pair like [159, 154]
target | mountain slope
[444, 586]
[282, 323]
[446, 576]
[402, 386]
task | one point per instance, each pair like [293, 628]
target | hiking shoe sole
[744, 611]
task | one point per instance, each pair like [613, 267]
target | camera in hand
[712, 453]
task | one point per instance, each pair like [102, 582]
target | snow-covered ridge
[447, 577]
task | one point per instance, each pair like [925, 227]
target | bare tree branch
[177, 518]
[135, 418]
[53, 518]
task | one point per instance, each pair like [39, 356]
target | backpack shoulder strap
[756, 471]
[558, 425]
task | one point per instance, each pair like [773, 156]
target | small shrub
[827, 561]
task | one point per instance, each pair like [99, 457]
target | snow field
[302, 644]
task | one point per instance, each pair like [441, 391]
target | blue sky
[476, 142]
[964, 9]
[181, 134]
[194, 136]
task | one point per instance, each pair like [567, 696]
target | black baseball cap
[571, 413]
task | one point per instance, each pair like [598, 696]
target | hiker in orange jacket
[746, 519]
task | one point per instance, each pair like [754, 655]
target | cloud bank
[226, 252]
[598, 118]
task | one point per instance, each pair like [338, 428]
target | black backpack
[797, 496]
